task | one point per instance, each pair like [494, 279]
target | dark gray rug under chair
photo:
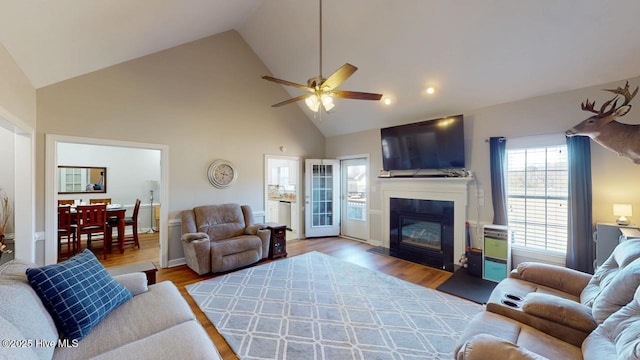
[314, 306]
[468, 286]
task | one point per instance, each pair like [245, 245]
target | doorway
[53, 143]
[354, 198]
[337, 197]
[322, 191]
[282, 193]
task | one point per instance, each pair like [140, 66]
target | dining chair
[66, 229]
[92, 219]
[66, 202]
[106, 201]
[133, 222]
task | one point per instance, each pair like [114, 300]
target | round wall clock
[222, 174]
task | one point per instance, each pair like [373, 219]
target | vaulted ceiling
[476, 53]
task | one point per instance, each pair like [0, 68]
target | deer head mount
[624, 139]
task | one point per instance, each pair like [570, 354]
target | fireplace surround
[451, 190]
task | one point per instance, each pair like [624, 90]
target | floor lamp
[152, 185]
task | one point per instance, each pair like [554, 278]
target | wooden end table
[278, 246]
[148, 268]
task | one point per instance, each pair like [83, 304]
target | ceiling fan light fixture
[327, 101]
[312, 103]
[323, 90]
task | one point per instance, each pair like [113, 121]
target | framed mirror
[82, 179]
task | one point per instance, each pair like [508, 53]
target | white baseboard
[374, 242]
[177, 262]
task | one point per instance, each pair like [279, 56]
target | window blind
[537, 195]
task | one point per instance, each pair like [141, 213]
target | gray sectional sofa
[549, 312]
[156, 323]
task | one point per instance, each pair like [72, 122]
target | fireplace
[452, 191]
[422, 231]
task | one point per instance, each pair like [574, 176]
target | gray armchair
[218, 238]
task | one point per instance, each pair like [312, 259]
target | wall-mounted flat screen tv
[436, 144]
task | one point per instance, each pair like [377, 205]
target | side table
[147, 268]
[278, 247]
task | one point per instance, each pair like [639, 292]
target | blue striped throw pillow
[78, 293]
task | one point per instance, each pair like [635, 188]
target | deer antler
[588, 106]
[603, 112]
[621, 138]
[624, 92]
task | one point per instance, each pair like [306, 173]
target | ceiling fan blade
[339, 76]
[292, 100]
[356, 95]
[289, 83]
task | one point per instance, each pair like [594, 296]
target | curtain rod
[500, 139]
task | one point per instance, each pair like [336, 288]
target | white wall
[615, 179]
[128, 170]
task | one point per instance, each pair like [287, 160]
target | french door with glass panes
[322, 197]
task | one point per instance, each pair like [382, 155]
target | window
[537, 195]
[357, 192]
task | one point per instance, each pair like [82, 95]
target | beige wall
[615, 179]
[205, 100]
[18, 117]
[17, 95]
[366, 142]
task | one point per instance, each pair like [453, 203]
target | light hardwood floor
[345, 249]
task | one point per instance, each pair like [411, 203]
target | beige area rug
[315, 306]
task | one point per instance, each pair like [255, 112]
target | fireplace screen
[421, 233]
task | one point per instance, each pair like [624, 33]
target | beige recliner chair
[492, 336]
[565, 303]
[218, 238]
[544, 311]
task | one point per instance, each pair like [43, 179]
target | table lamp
[622, 210]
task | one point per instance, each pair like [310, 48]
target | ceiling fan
[321, 91]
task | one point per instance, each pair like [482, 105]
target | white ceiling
[478, 52]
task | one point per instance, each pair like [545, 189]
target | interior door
[322, 197]
[354, 198]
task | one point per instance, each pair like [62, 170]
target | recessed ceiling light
[387, 101]
[431, 90]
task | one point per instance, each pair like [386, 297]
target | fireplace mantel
[446, 189]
